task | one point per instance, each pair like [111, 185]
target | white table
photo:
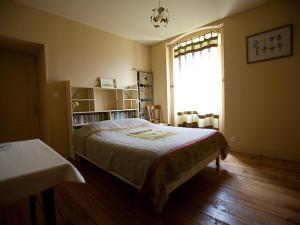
[30, 167]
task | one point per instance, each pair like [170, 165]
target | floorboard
[246, 190]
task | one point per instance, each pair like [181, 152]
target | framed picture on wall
[271, 44]
[108, 83]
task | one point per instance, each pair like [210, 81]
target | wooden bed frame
[172, 186]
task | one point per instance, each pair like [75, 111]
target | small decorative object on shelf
[108, 83]
[75, 104]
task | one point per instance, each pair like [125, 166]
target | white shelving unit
[128, 99]
[92, 104]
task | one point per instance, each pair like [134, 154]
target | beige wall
[262, 100]
[159, 69]
[73, 52]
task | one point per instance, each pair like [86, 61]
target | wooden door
[19, 118]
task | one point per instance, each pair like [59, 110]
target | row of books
[88, 118]
[79, 119]
[123, 115]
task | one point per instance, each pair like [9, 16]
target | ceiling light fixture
[160, 16]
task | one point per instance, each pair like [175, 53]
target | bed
[153, 158]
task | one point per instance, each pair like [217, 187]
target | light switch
[233, 139]
[55, 95]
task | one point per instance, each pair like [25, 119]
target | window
[198, 81]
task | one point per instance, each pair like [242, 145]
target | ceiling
[131, 18]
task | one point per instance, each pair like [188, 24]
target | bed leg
[77, 158]
[218, 162]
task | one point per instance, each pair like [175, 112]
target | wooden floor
[246, 190]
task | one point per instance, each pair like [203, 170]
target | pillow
[123, 123]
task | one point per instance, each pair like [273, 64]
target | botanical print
[268, 44]
[271, 44]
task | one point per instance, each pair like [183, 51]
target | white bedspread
[151, 157]
[109, 145]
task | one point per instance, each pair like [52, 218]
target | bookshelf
[145, 92]
[92, 104]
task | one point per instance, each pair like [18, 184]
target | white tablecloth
[29, 167]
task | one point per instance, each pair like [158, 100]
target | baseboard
[271, 153]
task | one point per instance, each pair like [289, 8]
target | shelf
[130, 99]
[120, 110]
[107, 89]
[102, 88]
[85, 112]
[80, 125]
[82, 99]
[104, 111]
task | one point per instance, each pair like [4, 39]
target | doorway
[20, 90]
[19, 118]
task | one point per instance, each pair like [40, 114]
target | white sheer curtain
[198, 81]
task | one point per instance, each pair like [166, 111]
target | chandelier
[160, 16]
